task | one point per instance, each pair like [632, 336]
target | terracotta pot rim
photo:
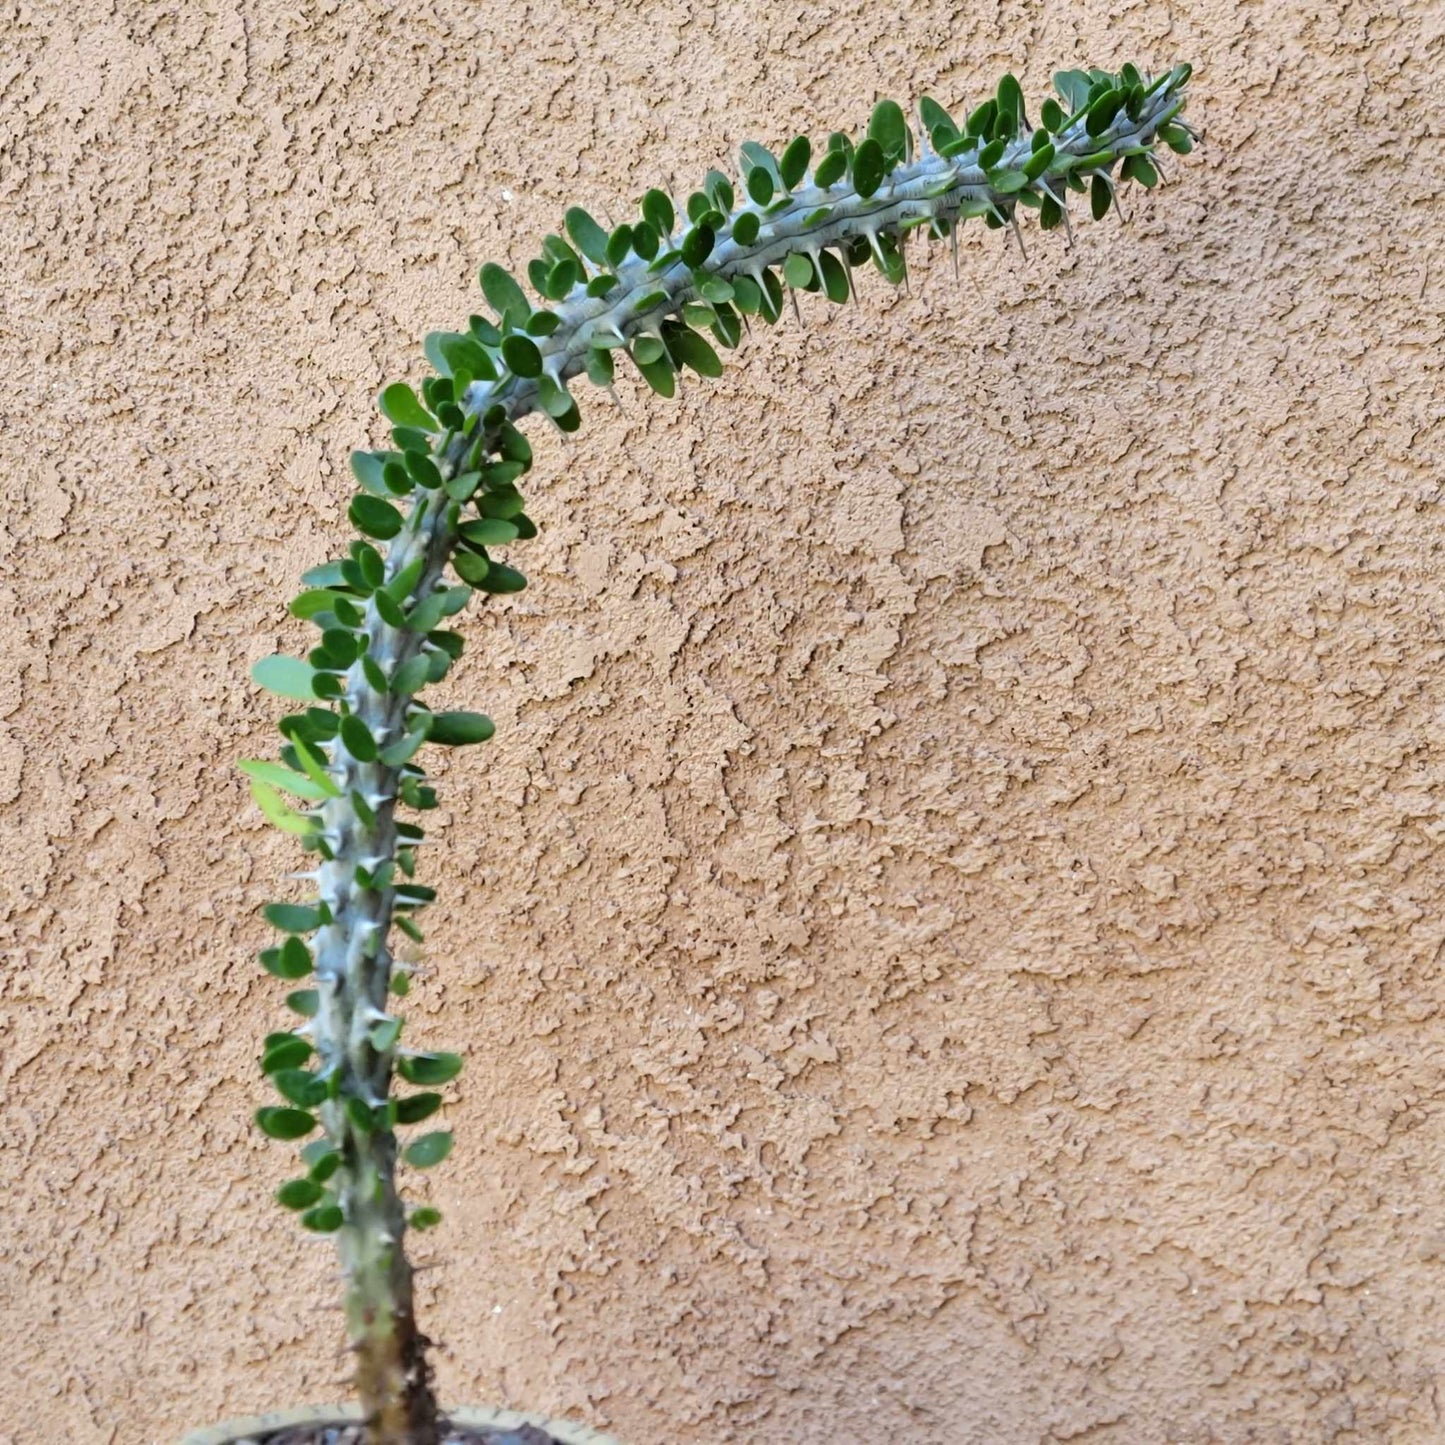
[569, 1432]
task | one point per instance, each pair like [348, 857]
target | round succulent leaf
[521, 355]
[797, 270]
[501, 579]
[793, 163]
[374, 517]
[868, 168]
[503, 294]
[325, 1219]
[289, 1051]
[429, 1150]
[746, 227]
[299, 1087]
[586, 234]
[293, 917]
[280, 1123]
[299, 1193]
[460, 729]
[400, 407]
[830, 169]
[414, 1109]
[429, 1070]
[657, 212]
[889, 128]
[285, 676]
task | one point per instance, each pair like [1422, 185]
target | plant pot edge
[228, 1432]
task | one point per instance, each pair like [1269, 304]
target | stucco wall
[948, 936]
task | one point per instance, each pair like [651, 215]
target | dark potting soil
[354, 1435]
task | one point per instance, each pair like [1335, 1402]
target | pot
[249, 1428]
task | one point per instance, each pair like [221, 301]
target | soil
[352, 1434]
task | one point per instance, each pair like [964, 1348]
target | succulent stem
[379, 609]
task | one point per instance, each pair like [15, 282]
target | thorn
[953, 236]
[1013, 221]
[797, 310]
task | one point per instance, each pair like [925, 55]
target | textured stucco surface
[949, 934]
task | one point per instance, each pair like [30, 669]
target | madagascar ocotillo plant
[444, 497]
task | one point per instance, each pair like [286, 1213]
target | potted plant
[435, 507]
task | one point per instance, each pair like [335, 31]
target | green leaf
[691, 350]
[1039, 162]
[417, 1108]
[304, 1001]
[309, 604]
[367, 468]
[425, 1218]
[288, 1052]
[328, 574]
[285, 1123]
[429, 1070]
[285, 676]
[1073, 88]
[421, 468]
[619, 243]
[374, 517]
[659, 376]
[294, 917]
[301, 1088]
[273, 805]
[489, 532]
[829, 170]
[410, 677]
[291, 961]
[501, 579]
[280, 776]
[697, 246]
[384, 1035]
[889, 130]
[760, 185]
[556, 400]
[451, 352]
[460, 729]
[835, 278]
[1177, 139]
[460, 487]
[1051, 116]
[503, 294]
[325, 1163]
[358, 739]
[935, 118]
[868, 169]
[299, 1193]
[326, 1219]
[645, 240]
[429, 1150]
[1141, 169]
[1011, 102]
[746, 227]
[793, 165]
[657, 212]
[400, 407]
[521, 355]
[586, 234]
[797, 270]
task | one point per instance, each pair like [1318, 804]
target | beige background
[948, 936]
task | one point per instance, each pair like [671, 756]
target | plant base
[484, 1423]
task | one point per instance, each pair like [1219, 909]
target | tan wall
[948, 936]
